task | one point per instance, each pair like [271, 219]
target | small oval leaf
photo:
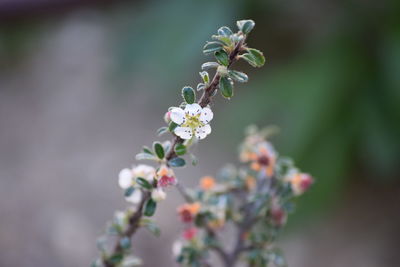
[245, 26]
[204, 75]
[209, 65]
[226, 87]
[125, 242]
[129, 191]
[144, 183]
[254, 57]
[162, 131]
[172, 125]
[147, 150]
[211, 47]
[180, 149]
[225, 31]
[150, 208]
[222, 57]
[177, 162]
[158, 148]
[188, 94]
[143, 156]
[201, 86]
[238, 76]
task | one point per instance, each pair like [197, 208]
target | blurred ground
[78, 99]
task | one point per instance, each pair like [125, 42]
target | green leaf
[180, 149]
[226, 87]
[209, 65]
[254, 57]
[245, 26]
[147, 150]
[128, 192]
[188, 94]
[145, 156]
[177, 162]
[150, 208]
[224, 39]
[201, 86]
[166, 145]
[211, 47]
[238, 76]
[144, 183]
[158, 148]
[113, 229]
[225, 31]
[204, 75]
[172, 125]
[194, 159]
[151, 226]
[125, 242]
[162, 131]
[222, 57]
[116, 258]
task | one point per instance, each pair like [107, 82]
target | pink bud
[186, 216]
[278, 216]
[166, 180]
[167, 117]
[306, 181]
[190, 233]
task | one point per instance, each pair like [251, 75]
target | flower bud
[207, 183]
[300, 182]
[158, 195]
[167, 117]
[306, 182]
[190, 233]
[165, 177]
[187, 211]
[278, 216]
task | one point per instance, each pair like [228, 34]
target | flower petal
[206, 115]
[184, 132]
[192, 109]
[178, 115]
[125, 178]
[202, 132]
[145, 171]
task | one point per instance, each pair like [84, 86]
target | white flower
[145, 171]
[193, 120]
[125, 177]
[158, 195]
[135, 197]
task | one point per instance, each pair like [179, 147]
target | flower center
[192, 121]
[263, 160]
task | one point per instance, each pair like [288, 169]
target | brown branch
[134, 220]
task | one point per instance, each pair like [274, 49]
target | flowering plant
[145, 185]
[255, 198]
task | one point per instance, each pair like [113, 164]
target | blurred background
[84, 84]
